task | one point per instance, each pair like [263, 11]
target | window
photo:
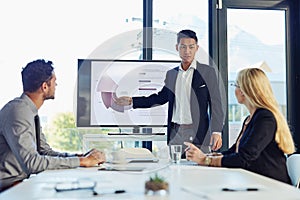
[251, 34]
[167, 21]
[260, 44]
[62, 31]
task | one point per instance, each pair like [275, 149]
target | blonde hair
[257, 89]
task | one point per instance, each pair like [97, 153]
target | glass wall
[168, 20]
[61, 31]
[256, 38]
[65, 31]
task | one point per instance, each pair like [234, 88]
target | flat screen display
[99, 82]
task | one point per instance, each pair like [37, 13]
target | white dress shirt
[182, 105]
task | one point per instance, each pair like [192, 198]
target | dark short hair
[35, 74]
[186, 34]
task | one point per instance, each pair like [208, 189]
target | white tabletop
[185, 181]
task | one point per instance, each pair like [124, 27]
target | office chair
[293, 163]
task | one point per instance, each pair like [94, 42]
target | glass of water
[176, 151]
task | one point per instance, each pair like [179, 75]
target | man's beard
[49, 97]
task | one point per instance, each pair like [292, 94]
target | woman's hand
[215, 141]
[193, 153]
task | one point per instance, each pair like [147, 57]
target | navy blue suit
[206, 107]
[258, 151]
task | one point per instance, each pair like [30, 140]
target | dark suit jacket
[258, 151]
[206, 106]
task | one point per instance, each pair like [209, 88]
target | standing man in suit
[195, 111]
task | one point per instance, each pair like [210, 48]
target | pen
[188, 148]
[87, 153]
[239, 189]
[95, 193]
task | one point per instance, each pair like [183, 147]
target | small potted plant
[156, 186]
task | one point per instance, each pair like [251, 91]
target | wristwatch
[207, 160]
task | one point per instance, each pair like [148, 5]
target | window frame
[218, 49]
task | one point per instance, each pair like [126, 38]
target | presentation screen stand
[145, 144]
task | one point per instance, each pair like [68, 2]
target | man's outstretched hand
[123, 101]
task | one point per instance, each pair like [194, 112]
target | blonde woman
[265, 137]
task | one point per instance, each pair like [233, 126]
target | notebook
[127, 155]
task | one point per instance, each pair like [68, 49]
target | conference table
[186, 181]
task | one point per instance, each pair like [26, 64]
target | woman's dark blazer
[258, 151]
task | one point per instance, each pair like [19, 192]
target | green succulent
[157, 179]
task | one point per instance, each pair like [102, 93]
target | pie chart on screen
[107, 88]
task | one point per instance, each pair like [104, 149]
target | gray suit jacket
[18, 154]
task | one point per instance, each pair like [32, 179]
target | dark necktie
[37, 131]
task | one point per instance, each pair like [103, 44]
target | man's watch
[207, 160]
